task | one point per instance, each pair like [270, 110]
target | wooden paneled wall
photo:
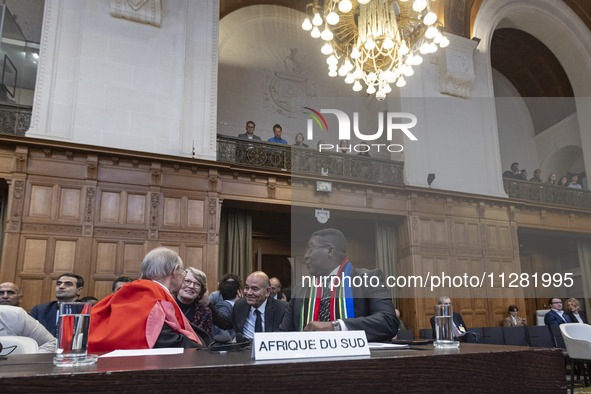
[97, 216]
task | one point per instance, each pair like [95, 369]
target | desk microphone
[222, 337]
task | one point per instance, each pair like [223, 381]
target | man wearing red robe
[143, 314]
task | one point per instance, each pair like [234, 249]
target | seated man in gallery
[347, 307]
[143, 314]
[15, 321]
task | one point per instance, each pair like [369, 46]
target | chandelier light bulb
[403, 48]
[444, 42]
[418, 59]
[389, 76]
[424, 49]
[332, 18]
[432, 48]
[371, 77]
[363, 1]
[355, 53]
[408, 71]
[387, 89]
[317, 20]
[419, 5]
[307, 25]
[332, 73]
[430, 18]
[345, 6]
[371, 89]
[326, 49]
[332, 67]
[315, 33]
[326, 35]
[358, 74]
[437, 38]
[332, 60]
[348, 65]
[349, 79]
[370, 44]
[343, 71]
[409, 60]
[401, 82]
[388, 43]
[431, 32]
[357, 86]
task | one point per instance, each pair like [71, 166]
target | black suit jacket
[374, 312]
[46, 314]
[573, 319]
[274, 310]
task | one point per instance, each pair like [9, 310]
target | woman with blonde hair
[572, 305]
[192, 300]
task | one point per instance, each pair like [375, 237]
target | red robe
[132, 318]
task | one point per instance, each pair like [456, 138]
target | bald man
[10, 294]
[256, 311]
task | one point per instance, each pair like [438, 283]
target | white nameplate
[280, 345]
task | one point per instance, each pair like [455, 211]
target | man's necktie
[324, 312]
[258, 323]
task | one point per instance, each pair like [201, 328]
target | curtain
[584, 247]
[235, 243]
[386, 253]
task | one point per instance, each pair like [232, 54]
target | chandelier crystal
[377, 42]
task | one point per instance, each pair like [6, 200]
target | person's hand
[319, 326]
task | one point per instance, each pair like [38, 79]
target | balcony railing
[307, 161]
[14, 120]
[540, 192]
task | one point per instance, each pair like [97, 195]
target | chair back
[493, 335]
[577, 337]
[557, 334]
[23, 345]
[515, 336]
[540, 313]
[426, 333]
[406, 334]
[539, 336]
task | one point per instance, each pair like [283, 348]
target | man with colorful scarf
[143, 314]
[341, 296]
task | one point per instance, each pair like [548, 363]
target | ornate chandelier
[374, 41]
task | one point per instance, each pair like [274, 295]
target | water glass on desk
[444, 333]
[72, 340]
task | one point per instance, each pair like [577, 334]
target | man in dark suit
[367, 306]
[67, 289]
[257, 312]
[249, 135]
[556, 315]
[460, 330]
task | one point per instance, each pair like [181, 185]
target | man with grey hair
[144, 314]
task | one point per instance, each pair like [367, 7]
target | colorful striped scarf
[341, 297]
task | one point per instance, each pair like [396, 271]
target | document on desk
[386, 346]
[144, 352]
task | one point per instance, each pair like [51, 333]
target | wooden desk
[472, 368]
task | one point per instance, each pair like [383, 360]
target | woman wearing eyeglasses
[192, 302]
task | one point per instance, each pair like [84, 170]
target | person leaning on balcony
[249, 135]
[537, 176]
[574, 182]
[277, 130]
[551, 179]
[562, 182]
[514, 173]
[299, 141]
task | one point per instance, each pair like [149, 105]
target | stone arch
[556, 26]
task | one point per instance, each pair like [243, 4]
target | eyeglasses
[557, 302]
[190, 283]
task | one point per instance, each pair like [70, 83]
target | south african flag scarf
[341, 297]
